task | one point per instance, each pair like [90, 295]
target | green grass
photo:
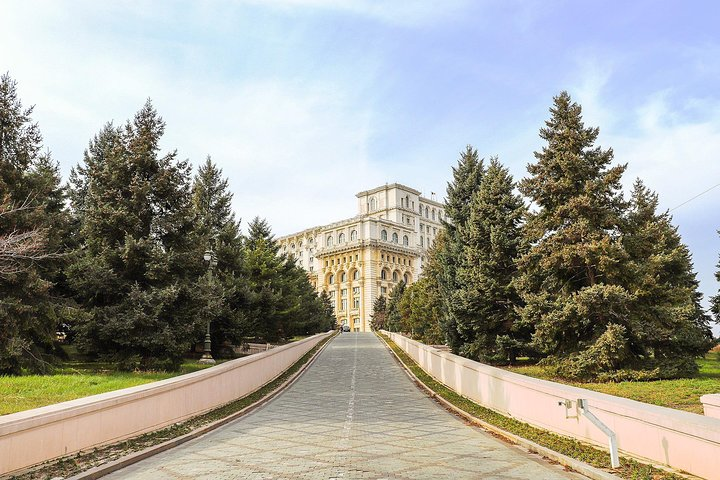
[73, 379]
[681, 394]
[629, 469]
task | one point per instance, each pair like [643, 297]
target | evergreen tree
[32, 225]
[667, 327]
[569, 277]
[227, 290]
[715, 300]
[137, 266]
[486, 299]
[466, 180]
[378, 318]
[394, 316]
[420, 312]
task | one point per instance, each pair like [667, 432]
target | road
[353, 414]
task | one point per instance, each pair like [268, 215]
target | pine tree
[667, 327]
[32, 225]
[569, 277]
[486, 299]
[394, 316]
[227, 290]
[137, 266]
[466, 180]
[378, 318]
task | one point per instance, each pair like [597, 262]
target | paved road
[353, 414]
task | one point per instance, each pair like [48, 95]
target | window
[395, 277]
[383, 235]
[343, 277]
[433, 214]
[353, 235]
[421, 242]
[356, 275]
[383, 275]
[434, 231]
[356, 302]
[427, 212]
[343, 304]
[383, 290]
[406, 278]
[356, 321]
[331, 279]
[406, 240]
[343, 293]
[356, 291]
[341, 238]
[329, 242]
[395, 238]
[292, 246]
[332, 303]
[373, 205]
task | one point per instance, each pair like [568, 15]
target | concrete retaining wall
[34, 436]
[682, 440]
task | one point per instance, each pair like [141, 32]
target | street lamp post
[207, 358]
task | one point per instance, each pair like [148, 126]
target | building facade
[358, 259]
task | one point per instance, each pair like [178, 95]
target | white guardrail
[34, 436]
[682, 440]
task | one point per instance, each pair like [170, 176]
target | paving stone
[354, 414]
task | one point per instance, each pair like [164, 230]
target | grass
[73, 379]
[681, 394]
[74, 464]
[629, 468]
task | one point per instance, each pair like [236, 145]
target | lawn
[682, 394]
[74, 379]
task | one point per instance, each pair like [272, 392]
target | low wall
[711, 405]
[34, 436]
[682, 440]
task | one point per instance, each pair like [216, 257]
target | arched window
[395, 276]
[331, 279]
[292, 246]
[341, 238]
[343, 277]
[353, 235]
[395, 238]
[329, 242]
[422, 242]
[433, 214]
[427, 212]
[383, 275]
[383, 235]
[356, 275]
[373, 205]
[406, 278]
[406, 240]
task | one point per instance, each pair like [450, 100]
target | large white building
[358, 259]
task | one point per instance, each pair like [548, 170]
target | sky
[304, 103]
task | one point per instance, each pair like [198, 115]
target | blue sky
[303, 103]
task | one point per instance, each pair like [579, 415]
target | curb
[580, 467]
[120, 463]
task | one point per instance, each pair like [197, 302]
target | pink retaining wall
[34, 436]
[682, 440]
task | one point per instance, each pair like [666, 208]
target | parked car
[345, 328]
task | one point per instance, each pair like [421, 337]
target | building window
[343, 278]
[343, 293]
[406, 278]
[406, 240]
[331, 279]
[357, 321]
[395, 238]
[356, 275]
[356, 290]
[383, 275]
[353, 235]
[383, 290]
[292, 246]
[341, 238]
[343, 304]
[427, 212]
[373, 205]
[433, 214]
[356, 302]
[329, 242]
[422, 243]
[383, 235]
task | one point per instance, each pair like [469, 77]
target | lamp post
[207, 358]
